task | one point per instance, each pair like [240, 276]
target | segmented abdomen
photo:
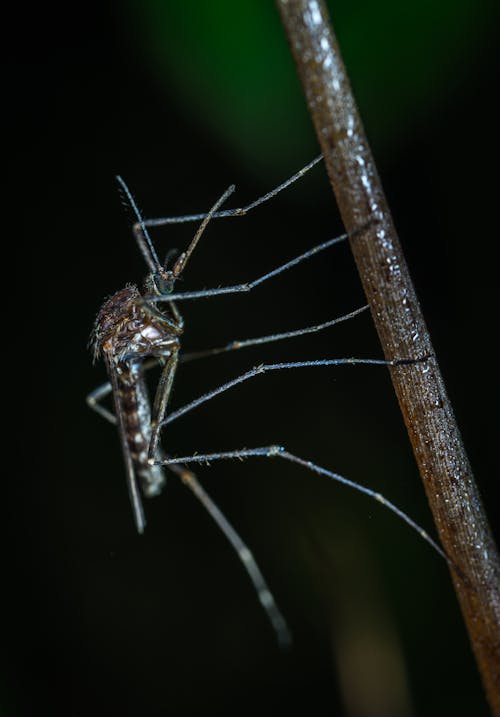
[136, 420]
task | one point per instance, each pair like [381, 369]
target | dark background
[105, 622]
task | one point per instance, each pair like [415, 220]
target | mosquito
[137, 329]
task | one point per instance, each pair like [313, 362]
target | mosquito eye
[164, 284]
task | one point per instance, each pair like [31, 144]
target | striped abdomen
[135, 411]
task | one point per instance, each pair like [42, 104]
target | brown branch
[437, 445]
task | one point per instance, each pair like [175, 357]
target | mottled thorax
[125, 327]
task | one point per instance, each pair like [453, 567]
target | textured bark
[449, 484]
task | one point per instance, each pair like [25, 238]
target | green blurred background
[183, 100]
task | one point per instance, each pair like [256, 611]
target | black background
[105, 622]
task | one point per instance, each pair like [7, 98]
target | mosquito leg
[105, 389]
[240, 344]
[95, 396]
[248, 286]
[265, 368]
[177, 316]
[240, 211]
[176, 325]
[161, 399]
[265, 596]
[280, 452]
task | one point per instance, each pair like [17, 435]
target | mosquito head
[160, 282]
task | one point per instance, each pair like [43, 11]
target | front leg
[161, 399]
[174, 324]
